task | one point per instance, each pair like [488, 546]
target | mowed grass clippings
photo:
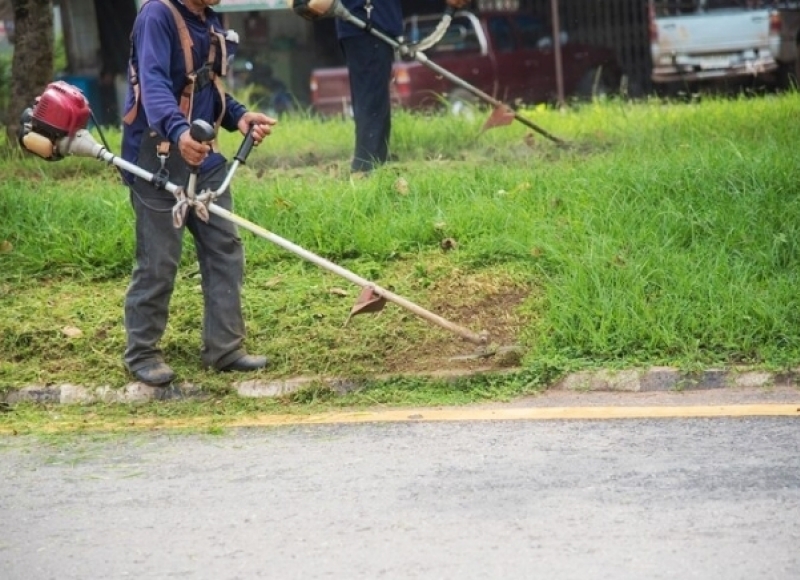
[71, 331]
[664, 234]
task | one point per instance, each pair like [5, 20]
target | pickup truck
[508, 55]
[704, 40]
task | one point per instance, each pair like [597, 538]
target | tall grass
[666, 232]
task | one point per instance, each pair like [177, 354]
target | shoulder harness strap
[187, 94]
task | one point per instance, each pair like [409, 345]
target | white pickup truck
[699, 40]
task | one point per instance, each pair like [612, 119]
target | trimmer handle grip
[201, 131]
[246, 146]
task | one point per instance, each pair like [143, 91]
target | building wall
[81, 36]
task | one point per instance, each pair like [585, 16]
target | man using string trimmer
[369, 64]
[179, 51]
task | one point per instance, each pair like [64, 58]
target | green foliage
[666, 234]
[60, 61]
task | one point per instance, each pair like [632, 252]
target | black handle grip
[201, 131]
[246, 146]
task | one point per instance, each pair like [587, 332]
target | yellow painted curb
[423, 415]
[525, 414]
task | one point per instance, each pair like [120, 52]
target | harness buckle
[203, 77]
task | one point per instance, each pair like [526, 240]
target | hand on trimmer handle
[201, 132]
[453, 5]
[247, 145]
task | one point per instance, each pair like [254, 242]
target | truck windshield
[460, 35]
[531, 30]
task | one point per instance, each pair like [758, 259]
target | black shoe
[248, 362]
[155, 375]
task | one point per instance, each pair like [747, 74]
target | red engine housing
[61, 110]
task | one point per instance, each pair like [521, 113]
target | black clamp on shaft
[161, 177]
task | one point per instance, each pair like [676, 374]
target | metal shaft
[348, 275]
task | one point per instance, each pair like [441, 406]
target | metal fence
[620, 24]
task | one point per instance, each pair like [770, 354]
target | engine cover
[61, 110]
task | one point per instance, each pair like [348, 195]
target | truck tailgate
[722, 43]
[713, 32]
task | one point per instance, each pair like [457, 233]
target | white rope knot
[181, 207]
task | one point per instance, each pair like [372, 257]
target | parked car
[508, 55]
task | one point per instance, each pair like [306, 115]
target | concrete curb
[630, 381]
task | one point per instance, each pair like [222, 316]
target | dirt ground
[483, 305]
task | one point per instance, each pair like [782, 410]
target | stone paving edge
[630, 380]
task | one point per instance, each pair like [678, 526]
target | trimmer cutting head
[368, 301]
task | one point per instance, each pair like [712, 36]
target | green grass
[666, 234]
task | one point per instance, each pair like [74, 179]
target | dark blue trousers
[369, 64]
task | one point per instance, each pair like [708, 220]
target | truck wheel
[462, 103]
[596, 83]
[785, 78]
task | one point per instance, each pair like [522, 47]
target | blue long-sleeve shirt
[159, 61]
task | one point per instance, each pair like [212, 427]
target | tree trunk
[32, 64]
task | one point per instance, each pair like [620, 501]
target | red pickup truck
[508, 55]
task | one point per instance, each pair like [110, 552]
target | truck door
[536, 68]
[510, 68]
[523, 57]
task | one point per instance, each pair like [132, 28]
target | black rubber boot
[155, 375]
[248, 362]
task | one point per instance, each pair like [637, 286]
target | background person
[369, 64]
[154, 118]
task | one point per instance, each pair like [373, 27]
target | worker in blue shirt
[179, 49]
[369, 64]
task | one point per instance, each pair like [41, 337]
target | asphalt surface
[621, 499]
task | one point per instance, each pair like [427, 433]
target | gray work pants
[158, 253]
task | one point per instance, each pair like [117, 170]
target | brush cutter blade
[368, 301]
[500, 117]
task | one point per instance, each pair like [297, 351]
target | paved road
[629, 499]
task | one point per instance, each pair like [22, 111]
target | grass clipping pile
[483, 301]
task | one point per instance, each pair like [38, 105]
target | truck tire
[785, 78]
[596, 83]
